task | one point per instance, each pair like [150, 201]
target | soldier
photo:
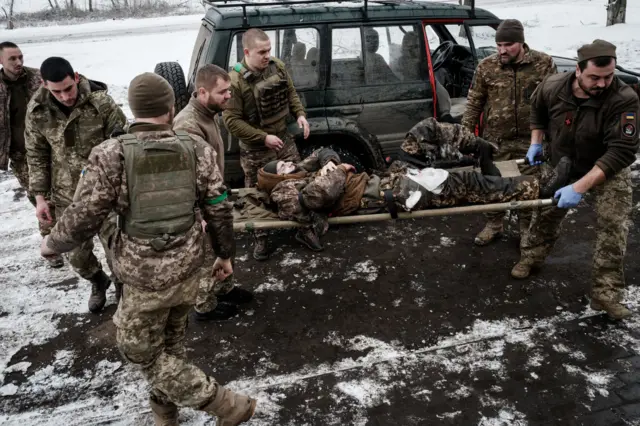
[502, 86]
[17, 86]
[321, 184]
[591, 116]
[199, 119]
[66, 118]
[263, 98]
[158, 251]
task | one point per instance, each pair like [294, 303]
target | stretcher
[269, 220]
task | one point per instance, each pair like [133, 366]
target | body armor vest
[161, 179]
[271, 94]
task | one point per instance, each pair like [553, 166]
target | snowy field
[51, 374]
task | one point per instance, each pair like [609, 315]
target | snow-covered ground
[114, 52]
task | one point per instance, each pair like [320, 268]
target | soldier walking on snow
[263, 98]
[502, 86]
[66, 118]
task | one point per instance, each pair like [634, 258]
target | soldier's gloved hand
[567, 197]
[486, 147]
[535, 149]
[273, 142]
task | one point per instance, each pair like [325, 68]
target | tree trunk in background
[90, 6]
[616, 12]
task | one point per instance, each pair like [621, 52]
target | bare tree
[90, 6]
[9, 14]
[616, 12]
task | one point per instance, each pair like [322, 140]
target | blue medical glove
[567, 197]
[535, 149]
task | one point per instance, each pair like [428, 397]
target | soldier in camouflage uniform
[591, 116]
[158, 249]
[502, 86]
[320, 184]
[65, 119]
[199, 119]
[263, 99]
[17, 85]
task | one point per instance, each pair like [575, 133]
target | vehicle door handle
[351, 110]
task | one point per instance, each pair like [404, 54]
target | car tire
[172, 72]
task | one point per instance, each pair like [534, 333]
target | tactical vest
[161, 179]
[271, 94]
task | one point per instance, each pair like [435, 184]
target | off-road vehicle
[364, 70]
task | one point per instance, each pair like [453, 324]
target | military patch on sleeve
[628, 125]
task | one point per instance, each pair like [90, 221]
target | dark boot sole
[302, 241]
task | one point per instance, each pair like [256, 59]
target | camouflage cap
[510, 31]
[597, 49]
[150, 95]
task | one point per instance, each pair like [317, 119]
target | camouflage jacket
[201, 121]
[33, 83]
[103, 189]
[240, 115]
[58, 146]
[503, 93]
[430, 141]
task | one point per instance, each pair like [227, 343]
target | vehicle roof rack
[220, 4]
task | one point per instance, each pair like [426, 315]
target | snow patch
[363, 270]
[271, 284]
[367, 392]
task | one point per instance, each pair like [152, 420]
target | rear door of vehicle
[378, 79]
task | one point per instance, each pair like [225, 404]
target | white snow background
[114, 52]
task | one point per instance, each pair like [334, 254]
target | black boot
[309, 238]
[222, 312]
[100, 282]
[560, 177]
[237, 296]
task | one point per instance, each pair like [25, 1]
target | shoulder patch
[628, 125]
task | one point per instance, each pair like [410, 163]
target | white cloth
[430, 179]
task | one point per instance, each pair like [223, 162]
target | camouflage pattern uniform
[14, 98]
[242, 119]
[437, 141]
[600, 132]
[160, 286]
[200, 121]
[58, 147]
[503, 93]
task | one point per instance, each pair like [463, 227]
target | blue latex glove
[534, 149]
[567, 197]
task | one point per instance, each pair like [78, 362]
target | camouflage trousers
[613, 206]
[514, 150]
[20, 169]
[82, 259]
[209, 289]
[252, 161]
[150, 333]
[467, 187]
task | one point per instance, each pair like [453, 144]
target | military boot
[261, 249]
[491, 231]
[55, 261]
[222, 311]
[615, 310]
[309, 238]
[100, 282]
[237, 296]
[164, 415]
[523, 268]
[560, 177]
[230, 408]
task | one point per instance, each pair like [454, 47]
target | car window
[394, 53]
[347, 69]
[484, 40]
[298, 48]
[204, 36]
[459, 34]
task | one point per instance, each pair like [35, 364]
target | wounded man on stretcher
[321, 185]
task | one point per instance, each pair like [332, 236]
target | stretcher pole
[249, 226]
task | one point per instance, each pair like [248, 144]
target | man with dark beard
[501, 88]
[590, 116]
[217, 300]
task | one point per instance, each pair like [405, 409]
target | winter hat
[510, 31]
[271, 167]
[150, 95]
[596, 49]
